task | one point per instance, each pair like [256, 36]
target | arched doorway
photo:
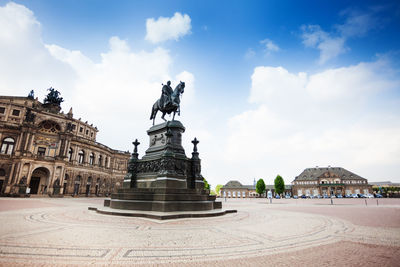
[39, 181]
[77, 185]
[65, 186]
[88, 184]
[97, 187]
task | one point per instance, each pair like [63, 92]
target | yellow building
[44, 151]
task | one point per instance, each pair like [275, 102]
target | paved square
[44, 231]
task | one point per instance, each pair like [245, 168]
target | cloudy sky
[273, 87]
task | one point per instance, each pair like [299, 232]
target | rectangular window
[15, 112]
[2, 110]
[41, 151]
[81, 129]
[87, 132]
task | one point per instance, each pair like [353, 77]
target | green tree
[260, 186]
[206, 184]
[279, 185]
[218, 188]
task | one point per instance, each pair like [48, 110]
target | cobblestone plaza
[59, 232]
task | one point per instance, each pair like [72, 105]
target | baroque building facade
[329, 181]
[44, 151]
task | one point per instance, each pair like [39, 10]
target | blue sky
[273, 86]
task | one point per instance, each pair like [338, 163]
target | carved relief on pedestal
[157, 140]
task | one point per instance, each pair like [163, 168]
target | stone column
[130, 179]
[197, 180]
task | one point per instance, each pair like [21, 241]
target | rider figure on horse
[166, 95]
[169, 101]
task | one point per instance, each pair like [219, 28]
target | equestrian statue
[169, 101]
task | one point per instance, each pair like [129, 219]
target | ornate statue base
[164, 180]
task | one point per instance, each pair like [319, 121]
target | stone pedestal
[164, 179]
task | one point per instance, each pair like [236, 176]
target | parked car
[369, 195]
[295, 197]
[339, 196]
[318, 196]
[287, 196]
[325, 196]
[348, 196]
[277, 196]
[303, 196]
[354, 196]
[378, 195]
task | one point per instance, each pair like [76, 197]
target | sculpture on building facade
[169, 101]
[53, 97]
[31, 95]
[29, 116]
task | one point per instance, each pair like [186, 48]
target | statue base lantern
[165, 180]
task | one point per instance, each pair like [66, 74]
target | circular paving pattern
[75, 235]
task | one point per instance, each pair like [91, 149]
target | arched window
[7, 146]
[100, 160]
[89, 180]
[70, 152]
[81, 156]
[106, 163]
[91, 158]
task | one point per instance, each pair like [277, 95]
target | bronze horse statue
[171, 106]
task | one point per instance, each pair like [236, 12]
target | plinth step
[164, 206]
[163, 215]
[161, 197]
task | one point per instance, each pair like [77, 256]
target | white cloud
[270, 46]
[121, 89]
[351, 83]
[116, 93]
[303, 120]
[332, 44]
[357, 23]
[330, 47]
[25, 63]
[266, 80]
[164, 29]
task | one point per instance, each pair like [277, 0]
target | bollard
[331, 201]
[365, 202]
[377, 202]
